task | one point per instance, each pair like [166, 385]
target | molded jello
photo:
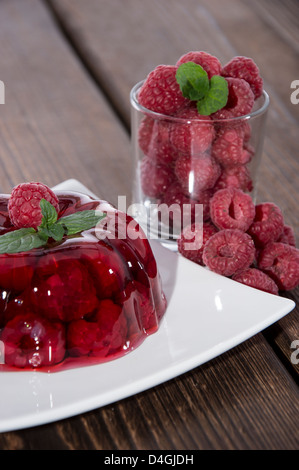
[89, 298]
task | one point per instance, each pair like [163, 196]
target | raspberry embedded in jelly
[86, 299]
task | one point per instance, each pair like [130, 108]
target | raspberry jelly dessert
[91, 297]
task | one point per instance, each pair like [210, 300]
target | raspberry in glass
[228, 148]
[155, 179]
[240, 100]
[256, 278]
[232, 208]
[24, 204]
[237, 177]
[245, 68]
[160, 92]
[228, 252]
[208, 62]
[194, 135]
[281, 263]
[197, 174]
[268, 224]
[154, 140]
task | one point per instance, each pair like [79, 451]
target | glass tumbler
[180, 162]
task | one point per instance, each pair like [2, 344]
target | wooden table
[68, 67]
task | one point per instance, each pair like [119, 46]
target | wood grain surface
[68, 66]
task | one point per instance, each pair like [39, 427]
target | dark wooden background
[68, 67]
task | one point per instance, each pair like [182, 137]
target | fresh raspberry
[32, 341]
[236, 177]
[66, 294]
[245, 68]
[228, 148]
[288, 236]
[197, 174]
[208, 62]
[268, 224]
[24, 204]
[193, 239]
[154, 141]
[232, 208]
[183, 206]
[105, 334]
[281, 263]
[161, 92]
[195, 134]
[258, 279]
[155, 179]
[240, 100]
[228, 252]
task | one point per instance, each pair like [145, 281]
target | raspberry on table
[161, 92]
[197, 174]
[193, 239]
[32, 341]
[256, 278]
[155, 179]
[208, 62]
[232, 208]
[287, 236]
[24, 204]
[228, 147]
[245, 68]
[268, 224]
[240, 100]
[228, 252]
[194, 135]
[281, 263]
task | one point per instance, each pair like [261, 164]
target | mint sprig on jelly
[210, 94]
[26, 239]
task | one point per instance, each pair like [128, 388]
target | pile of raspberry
[249, 243]
[186, 157]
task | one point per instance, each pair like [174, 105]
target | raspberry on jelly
[232, 208]
[24, 204]
[66, 294]
[258, 279]
[32, 341]
[267, 225]
[281, 263]
[245, 68]
[192, 241]
[207, 61]
[161, 92]
[228, 252]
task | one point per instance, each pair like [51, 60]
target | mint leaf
[80, 221]
[24, 239]
[55, 231]
[49, 213]
[216, 97]
[193, 81]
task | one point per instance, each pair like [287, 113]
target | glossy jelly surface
[88, 299]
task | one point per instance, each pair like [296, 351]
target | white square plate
[207, 315]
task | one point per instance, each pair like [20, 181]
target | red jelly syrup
[88, 299]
